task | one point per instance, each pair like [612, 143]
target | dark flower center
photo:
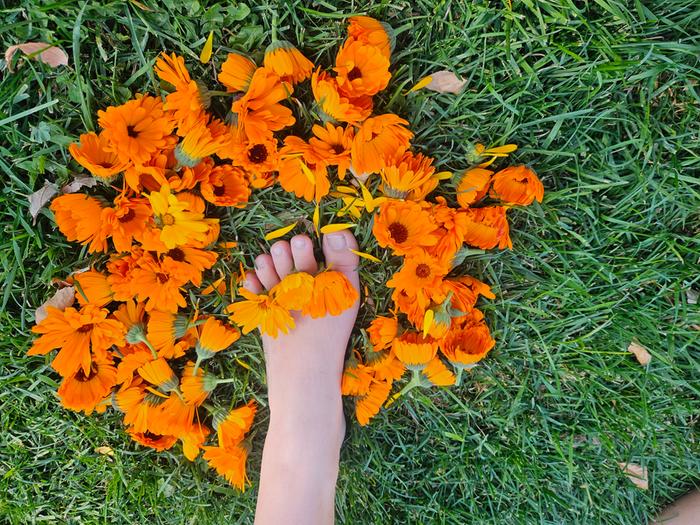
[257, 154]
[354, 73]
[219, 190]
[80, 376]
[162, 277]
[85, 328]
[129, 215]
[176, 254]
[131, 131]
[423, 270]
[338, 149]
[150, 435]
[398, 232]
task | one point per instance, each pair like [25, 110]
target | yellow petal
[332, 228]
[280, 232]
[205, 55]
[346, 189]
[229, 244]
[501, 150]
[428, 321]
[244, 365]
[309, 174]
[317, 219]
[421, 83]
[367, 256]
[443, 175]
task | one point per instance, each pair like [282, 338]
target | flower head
[332, 294]
[93, 154]
[379, 142]
[287, 62]
[260, 311]
[179, 225]
[517, 185]
[236, 72]
[405, 227]
[414, 350]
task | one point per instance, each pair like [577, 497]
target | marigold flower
[356, 380]
[332, 144]
[382, 331]
[371, 32]
[362, 70]
[158, 373]
[287, 62]
[131, 362]
[176, 416]
[257, 158]
[405, 227]
[179, 225]
[301, 172]
[79, 335]
[379, 142]
[93, 287]
[127, 221]
[468, 345]
[92, 154]
[193, 439]
[226, 186]
[187, 103]
[260, 311]
[196, 385]
[488, 228]
[229, 463]
[408, 174]
[236, 72]
[414, 350]
[78, 217]
[148, 439]
[200, 141]
[368, 406]
[389, 368]
[332, 294]
[472, 186]
[159, 284]
[136, 129]
[438, 374]
[336, 106]
[294, 291]
[84, 392]
[233, 428]
[517, 185]
[215, 336]
[164, 329]
[420, 276]
[189, 263]
[142, 408]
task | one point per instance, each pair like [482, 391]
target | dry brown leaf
[79, 182]
[637, 474]
[641, 353]
[41, 51]
[445, 82]
[105, 450]
[39, 198]
[62, 299]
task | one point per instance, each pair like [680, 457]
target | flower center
[354, 73]
[398, 232]
[162, 277]
[168, 219]
[219, 190]
[422, 270]
[131, 131]
[337, 149]
[80, 376]
[85, 328]
[257, 154]
[176, 254]
[129, 215]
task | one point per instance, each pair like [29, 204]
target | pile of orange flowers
[137, 341]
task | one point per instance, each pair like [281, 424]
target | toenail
[278, 249]
[337, 241]
[298, 242]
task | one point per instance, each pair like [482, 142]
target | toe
[336, 248]
[303, 254]
[252, 283]
[265, 270]
[282, 257]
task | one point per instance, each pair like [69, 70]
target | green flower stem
[458, 379]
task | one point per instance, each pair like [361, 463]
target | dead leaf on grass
[105, 450]
[440, 82]
[39, 198]
[41, 51]
[641, 353]
[78, 183]
[62, 299]
[636, 474]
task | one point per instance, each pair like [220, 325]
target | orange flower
[229, 463]
[158, 284]
[127, 221]
[405, 227]
[93, 288]
[164, 329]
[180, 223]
[467, 346]
[79, 335]
[176, 416]
[226, 186]
[301, 172]
[256, 157]
[408, 174]
[379, 142]
[473, 185]
[259, 111]
[362, 70]
[332, 144]
[84, 392]
[120, 272]
[233, 428]
[409, 305]
[382, 331]
[371, 32]
[356, 380]
[193, 439]
[196, 385]
[158, 170]
[438, 374]
[420, 275]
[142, 409]
[78, 217]
[294, 291]
[136, 129]
[335, 105]
[158, 373]
[488, 228]
[131, 362]
[215, 336]
[236, 72]
[332, 294]
[157, 442]
[93, 155]
[287, 62]
[260, 311]
[388, 368]
[368, 406]
[414, 350]
[517, 185]
[189, 263]
[202, 140]
[187, 103]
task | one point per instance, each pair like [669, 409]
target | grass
[603, 99]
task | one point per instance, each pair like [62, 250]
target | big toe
[337, 250]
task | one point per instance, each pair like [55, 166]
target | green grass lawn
[603, 100]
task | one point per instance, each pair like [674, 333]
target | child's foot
[304, 367]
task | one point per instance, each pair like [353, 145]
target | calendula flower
[158, 372]
[179, 225]
[362, 69]
[78, 216]
[260, 311]
[176, 416]
[379, 142]
[158, 283]
[196, 385]
[193, 439]
[254, 157]
[92, 153]
[142, 408]
[136, 129]
[405, 227]
[229, 463]
[335, 105]
[420, 277]
[488, 228]
[473, 185]
[163, 331]
[138, 356]
[259, 111]
[120, 272]
[356, 380]
[517, 185]
[294, 291]
[301, 172]
[199, 142]
[368, 406]
[414, 350]
[155, 172]
[287, 62]
[409, 173]
[332, 145]
[84, 392]
[78, 335]
[93, 287]
[332, 294]
[388, 368]
[236, 72]
[148, 439]
[126, 221]
[438, 374]
[232, 429]
[370, 32]
[214, 336]
[226, 186]
[468, 345]
[382, 331]
[188, 102]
